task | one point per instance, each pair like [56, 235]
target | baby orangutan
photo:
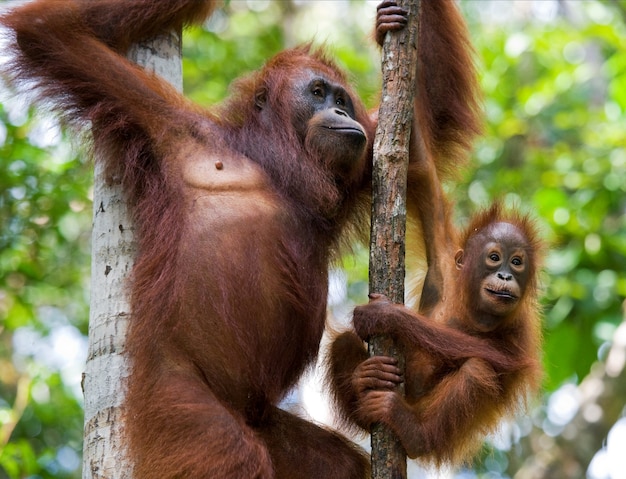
[468, 363]
[472, 353]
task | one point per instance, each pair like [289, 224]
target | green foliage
[234, 41]
[45, 214]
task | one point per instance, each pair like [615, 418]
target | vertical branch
[113, 252]
[387, 247]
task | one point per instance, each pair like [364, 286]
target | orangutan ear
[260, 97]
[458, 259]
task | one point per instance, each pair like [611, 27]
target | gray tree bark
[113, 252]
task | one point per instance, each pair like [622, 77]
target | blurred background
[554, 78]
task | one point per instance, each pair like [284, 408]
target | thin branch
[387, 243]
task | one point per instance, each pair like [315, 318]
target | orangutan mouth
[503, 294]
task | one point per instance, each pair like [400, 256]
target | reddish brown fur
[460, 380]
[448, 103]
[230, 282]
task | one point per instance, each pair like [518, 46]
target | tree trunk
[113, 252]
[387, 247]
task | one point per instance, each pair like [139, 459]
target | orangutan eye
[516, 261]
[340, 102]
[495, 257]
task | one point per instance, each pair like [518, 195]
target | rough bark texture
[113, 251]
[387, 247]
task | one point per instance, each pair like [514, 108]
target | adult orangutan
[473, 350]
[238, 212]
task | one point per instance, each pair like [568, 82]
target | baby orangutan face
[499, 271]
